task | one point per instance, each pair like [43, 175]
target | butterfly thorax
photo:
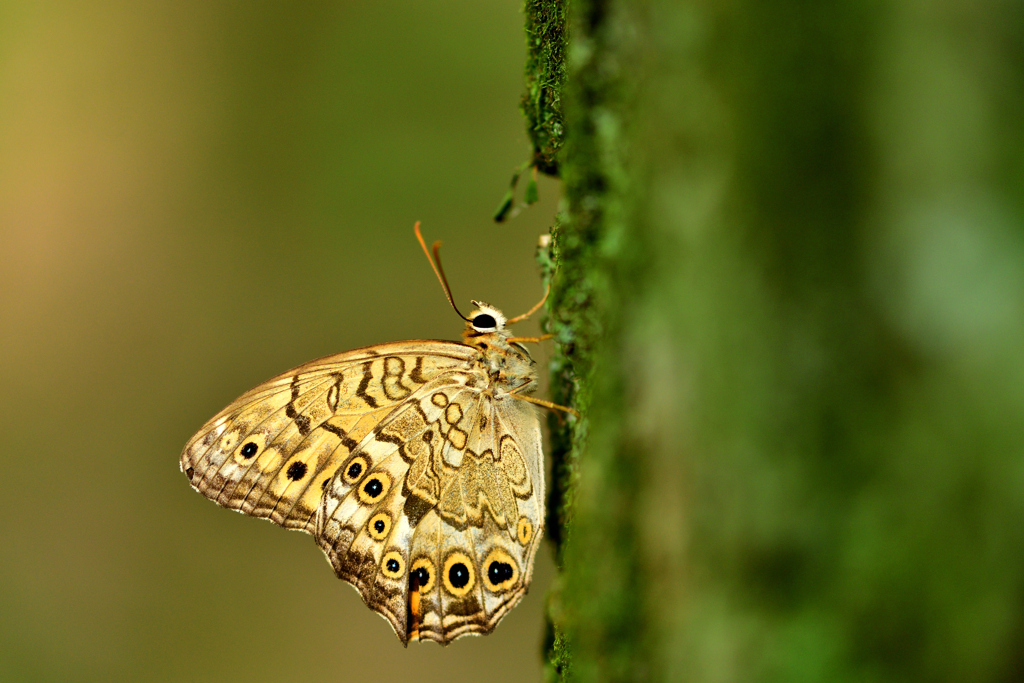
[507, 364]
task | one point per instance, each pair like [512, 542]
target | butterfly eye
[485, 322]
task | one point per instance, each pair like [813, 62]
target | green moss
[541, 102]
[585, 252]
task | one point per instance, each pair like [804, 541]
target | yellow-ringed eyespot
[249, 447]
[379, 526]
[501, 571]
[374, 488]
[524, 531]
[393, 565]
[423, 571]
[458, 574]
[355, 469]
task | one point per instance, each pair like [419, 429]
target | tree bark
[788, 296]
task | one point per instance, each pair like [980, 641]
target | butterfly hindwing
[481, 568]
[432, 497]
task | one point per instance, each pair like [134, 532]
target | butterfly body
[415, 466]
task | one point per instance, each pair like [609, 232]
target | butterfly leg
[544, 404]
[530, 340]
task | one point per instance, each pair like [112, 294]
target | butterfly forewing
[269, 452]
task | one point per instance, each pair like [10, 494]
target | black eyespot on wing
[189, 472]
[354, 470]
[296, 471]
[502, 573]
[249, 450]
[458, 574]
[374, 487]
[484, 322]
[499, 572]
[393, 565]
[422, 576]
[379, 525]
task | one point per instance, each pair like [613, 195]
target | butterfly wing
[271, 453]
[436, 516]
[423, 489]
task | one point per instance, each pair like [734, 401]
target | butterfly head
[503, 357]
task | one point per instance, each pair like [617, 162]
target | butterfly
[417, 467]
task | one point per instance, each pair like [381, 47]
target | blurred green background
[195, 197]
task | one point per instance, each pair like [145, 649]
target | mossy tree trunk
[788, 294]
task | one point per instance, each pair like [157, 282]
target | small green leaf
[504, 208]
[531, 191]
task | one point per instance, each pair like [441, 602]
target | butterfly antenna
[435, 263]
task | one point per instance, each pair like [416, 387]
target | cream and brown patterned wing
[436, 516]
[272, 452]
